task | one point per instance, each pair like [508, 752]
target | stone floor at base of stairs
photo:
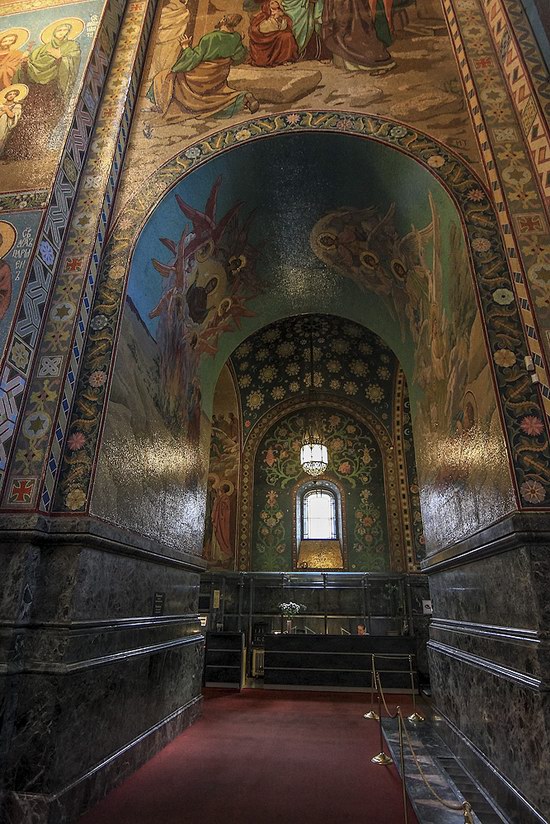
[443, 771]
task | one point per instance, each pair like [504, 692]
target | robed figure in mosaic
[11, 109]
[11, 55]
[172, 26]
[272, 42]
[197, 83]
[358, 32]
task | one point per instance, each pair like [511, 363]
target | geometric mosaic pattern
[499, 128]
[518, 397]
[53, 376]
[43, 265]
[533, 119]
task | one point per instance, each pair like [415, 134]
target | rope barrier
[379, 683]
[371, 714]
[465, 807]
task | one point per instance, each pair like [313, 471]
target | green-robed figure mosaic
[197, 83]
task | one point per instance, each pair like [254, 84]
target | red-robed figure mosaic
[272, 42]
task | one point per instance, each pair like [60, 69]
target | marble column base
[489, 653]
[101, 659]
[65, 806]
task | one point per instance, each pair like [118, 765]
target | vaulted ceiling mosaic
[273, 365]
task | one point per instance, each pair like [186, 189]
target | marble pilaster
[489, 654]
[100, 657]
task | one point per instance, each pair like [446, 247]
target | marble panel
[509, 723]
[491, 590]
[502, 646]
[96, 633]
[52, 746]
[66, 807]
[114, 585]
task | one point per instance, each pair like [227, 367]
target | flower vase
[289, 626]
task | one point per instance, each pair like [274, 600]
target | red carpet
[265, 757]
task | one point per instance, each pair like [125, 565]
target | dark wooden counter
[338, 660]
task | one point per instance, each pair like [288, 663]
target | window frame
[301, 494]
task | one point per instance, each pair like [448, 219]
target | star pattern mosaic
[348, 361]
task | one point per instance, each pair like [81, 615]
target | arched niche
[361, 163]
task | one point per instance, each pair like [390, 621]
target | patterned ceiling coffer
[349, 361]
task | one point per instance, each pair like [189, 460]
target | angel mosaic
[364, 245]
[209, 280]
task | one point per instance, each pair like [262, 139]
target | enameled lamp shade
[314, 458]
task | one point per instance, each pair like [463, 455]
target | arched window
[319, 514]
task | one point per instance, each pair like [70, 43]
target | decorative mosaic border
[532, 116]
[520, 209]
[54, 373]
[15, 201]
[246, 482]
[524, 423]
[535, 126]
[33, 306]
[412, 563]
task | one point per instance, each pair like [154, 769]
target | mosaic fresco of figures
[223, 477]
[227, 59]
[185, 292]
[451, 383]
[17, 237]
[207, 272]
[42, 59]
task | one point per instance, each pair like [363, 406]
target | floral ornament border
[501, 124]
[517, 396]
[397, 553]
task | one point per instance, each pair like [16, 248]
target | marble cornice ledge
[63, 668]
[493, 631]
[47, 530]
[520, 678]
[519, 529]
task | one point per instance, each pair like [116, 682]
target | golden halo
[21, 34]
[17, 87]
[76, 24]
[215, 478]
[231, 486]
[8, 235]
[225, 306]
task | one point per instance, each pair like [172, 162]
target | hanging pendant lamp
[314, 453]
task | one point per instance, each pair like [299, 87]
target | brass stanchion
[465, 806]
[371, 714]
[415, 716]
[402, 762]
[467, 811]
[381, 758]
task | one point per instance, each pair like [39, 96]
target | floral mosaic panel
[355, 463]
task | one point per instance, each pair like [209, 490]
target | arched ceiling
[272, 366]
[333, 224]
